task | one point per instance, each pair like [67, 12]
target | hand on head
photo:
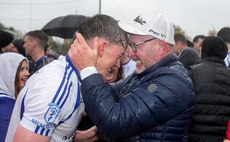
[80, 50]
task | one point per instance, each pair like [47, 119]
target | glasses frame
[134, 45]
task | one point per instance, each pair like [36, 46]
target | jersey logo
[52, 113]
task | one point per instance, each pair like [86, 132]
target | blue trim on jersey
[63, 80]
[76, 105]
[40, 59]
[42, 131]
[36, 130]
[75, 70]
[22, 105]
[66, 95]
[47, 132]
[64, 91]
[127, 62]
[60, 87]
[4, 95]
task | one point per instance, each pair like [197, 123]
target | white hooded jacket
[9, 63]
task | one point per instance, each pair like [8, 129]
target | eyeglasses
[134, 45]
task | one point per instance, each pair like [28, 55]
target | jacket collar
[212, 59]
[166, 61]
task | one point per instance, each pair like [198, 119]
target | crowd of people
[125, 81]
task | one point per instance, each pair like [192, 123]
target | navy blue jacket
[155, 105]
[6, 109]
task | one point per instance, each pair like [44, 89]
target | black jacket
[35, 66]
[211, 80]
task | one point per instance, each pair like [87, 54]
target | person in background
[35, 44]
[6, 39]
[18, 47]
[212, 88]
[197, 42]
[51, 57]
[128, 65]
[228, 133]
[188, 57]
[180, 43]
[13, 75]
[154, 104]
[224, 33]
[189, 43]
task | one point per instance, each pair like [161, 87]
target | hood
[9, 63]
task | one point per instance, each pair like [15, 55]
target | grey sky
[193, 16]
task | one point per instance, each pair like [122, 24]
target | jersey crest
[52, 113]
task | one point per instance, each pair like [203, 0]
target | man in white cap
[154, 104]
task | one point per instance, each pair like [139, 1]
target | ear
[34, 43]
[162, 47]
[101, 49]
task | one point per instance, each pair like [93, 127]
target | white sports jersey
[129, 67]
[50, 104]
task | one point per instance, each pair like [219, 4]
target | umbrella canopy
[63, 26]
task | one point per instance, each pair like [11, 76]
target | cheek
[20, 75]
[101, 64]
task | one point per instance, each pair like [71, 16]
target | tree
[178, 30]
[12, 30]
[59, 47]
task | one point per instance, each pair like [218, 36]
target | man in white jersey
[50, 106]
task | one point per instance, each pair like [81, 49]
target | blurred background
[190, 17]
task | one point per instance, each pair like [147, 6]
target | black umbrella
[63, 26]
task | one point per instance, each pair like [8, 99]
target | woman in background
[13, 75]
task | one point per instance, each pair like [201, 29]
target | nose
[130, 52]
[27, 73]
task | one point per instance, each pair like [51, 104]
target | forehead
[139, 37]
[24, 62]
[117, 49]
[26, 38]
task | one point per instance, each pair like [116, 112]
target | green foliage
[59, 47]
[2, 27]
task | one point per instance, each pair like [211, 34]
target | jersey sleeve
[42, 106]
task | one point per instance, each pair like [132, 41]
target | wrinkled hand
[81, 54]
[89, 135]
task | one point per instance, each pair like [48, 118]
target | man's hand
[81, 54]
[89, 135]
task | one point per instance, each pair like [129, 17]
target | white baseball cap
[154, 24]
